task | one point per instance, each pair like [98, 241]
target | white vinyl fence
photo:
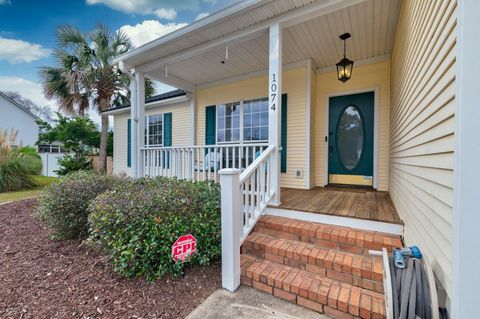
[50, 163]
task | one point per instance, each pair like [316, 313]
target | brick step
[358, 270]
[347, 239]
[319, 293]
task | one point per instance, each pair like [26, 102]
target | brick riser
[357, 270]
[341, 238]
[322, 267]
[321, 294]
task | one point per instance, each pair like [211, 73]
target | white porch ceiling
[371, 23]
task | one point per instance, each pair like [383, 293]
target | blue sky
[27, 30]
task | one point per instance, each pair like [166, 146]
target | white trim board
[376, 130]
[308, 108]
[394, 229]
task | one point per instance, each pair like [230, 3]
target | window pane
[221, 135]
[264, 133]
[350, 137]
[247, 107]
[247, 134]
[235, 135]
[221, 110]
[221, 122]
[256, 119]
[264, 119]
[247, 120]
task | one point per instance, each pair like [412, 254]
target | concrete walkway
[247, 302]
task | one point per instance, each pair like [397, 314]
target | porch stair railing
[244, 198]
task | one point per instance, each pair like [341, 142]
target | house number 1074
[273, 92]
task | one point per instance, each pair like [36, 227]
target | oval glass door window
[350, 137]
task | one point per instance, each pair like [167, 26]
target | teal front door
[350, 139]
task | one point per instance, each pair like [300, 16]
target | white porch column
[232, 223]
[193, 114]
[274, 104]
[138, 124]
[133, 125]
[466, 217]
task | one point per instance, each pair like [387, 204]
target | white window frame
[241, 141]
[147, 130]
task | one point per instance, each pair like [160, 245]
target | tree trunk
[102, 160]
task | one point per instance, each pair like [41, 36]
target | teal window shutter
[167, 135]
[129, 143]
[167, 129]
[283, 137]
[210, 125]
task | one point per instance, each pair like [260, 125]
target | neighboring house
[14, 116]
[396, 126]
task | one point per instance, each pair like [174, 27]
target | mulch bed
[41, 278]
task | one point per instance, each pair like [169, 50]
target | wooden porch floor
[351, 202]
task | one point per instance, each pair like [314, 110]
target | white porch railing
[244, 197]
[199, 163]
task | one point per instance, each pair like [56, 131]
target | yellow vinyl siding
[364, 78]
[294, 84]
[180, 132]
[422, 128]
[120, 137]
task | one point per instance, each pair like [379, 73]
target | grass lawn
[42, 181]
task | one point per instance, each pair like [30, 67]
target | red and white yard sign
[184, 247]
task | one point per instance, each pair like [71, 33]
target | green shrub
[17, 164]
[74, 162]
[138, 222]
[30, 158]
[64, 205]
[16, 169]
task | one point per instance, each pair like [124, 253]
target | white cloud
[202, 15]
[17, 51]
[149, 30]
[26, 88]
[167, 14]
[164, 9]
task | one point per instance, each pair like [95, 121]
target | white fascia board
[290, 18]
[173, 100]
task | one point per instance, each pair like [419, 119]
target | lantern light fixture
[345, 66]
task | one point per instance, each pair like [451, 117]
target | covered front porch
[259, 113]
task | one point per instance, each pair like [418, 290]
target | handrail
[145, 148]
[252, 167]
[255, 191]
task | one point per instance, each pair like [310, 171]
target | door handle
[330, 150]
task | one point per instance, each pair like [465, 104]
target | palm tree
[84, 78]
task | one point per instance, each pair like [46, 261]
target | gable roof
[23, 108]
